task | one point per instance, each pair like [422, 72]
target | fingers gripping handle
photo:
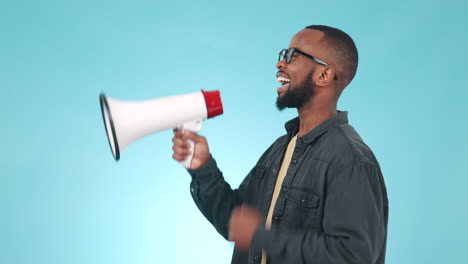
[186, 163]
[193, 126]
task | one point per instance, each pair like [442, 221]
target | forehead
[308, 40]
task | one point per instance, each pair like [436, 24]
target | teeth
[282, 79]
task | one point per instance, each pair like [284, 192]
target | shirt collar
[292, 126]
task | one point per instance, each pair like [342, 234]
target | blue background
[63, 199]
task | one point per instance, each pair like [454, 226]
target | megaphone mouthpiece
[213, 102]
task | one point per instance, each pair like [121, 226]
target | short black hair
[344, 49]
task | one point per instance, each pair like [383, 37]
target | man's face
[297, 76]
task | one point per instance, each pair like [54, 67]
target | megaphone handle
[194, 126]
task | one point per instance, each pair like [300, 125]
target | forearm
[213, 195]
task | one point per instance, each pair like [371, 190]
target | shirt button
[294, 161]
[277, 218]
[192, 190]
[257, 258]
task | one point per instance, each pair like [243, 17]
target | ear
[327, 76]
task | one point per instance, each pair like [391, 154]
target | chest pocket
[301, 207]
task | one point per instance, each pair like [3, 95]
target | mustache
[281, 73]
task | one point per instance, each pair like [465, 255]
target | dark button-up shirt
[332, 207]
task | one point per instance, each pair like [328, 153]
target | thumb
[192, 136]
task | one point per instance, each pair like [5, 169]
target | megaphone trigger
[193, 126]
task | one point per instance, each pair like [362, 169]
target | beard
[296, 97]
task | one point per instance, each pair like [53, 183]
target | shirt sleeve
[214, 196]
[354, 223]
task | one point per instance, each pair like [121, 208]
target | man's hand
[243, 223]
[181, 148]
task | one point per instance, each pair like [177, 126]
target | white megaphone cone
[128, 121]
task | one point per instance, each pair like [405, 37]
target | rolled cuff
[207, 172]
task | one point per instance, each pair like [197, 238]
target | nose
[281, 64]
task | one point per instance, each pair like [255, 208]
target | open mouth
[283, 80]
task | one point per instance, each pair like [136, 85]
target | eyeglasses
[288, 55]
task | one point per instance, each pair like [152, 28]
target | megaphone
[128, 121]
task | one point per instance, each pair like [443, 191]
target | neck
[313, 114]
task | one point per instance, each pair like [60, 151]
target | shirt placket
[296, 159]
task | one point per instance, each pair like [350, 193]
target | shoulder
[343, 146]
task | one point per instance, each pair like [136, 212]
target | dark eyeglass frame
[288, 55]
